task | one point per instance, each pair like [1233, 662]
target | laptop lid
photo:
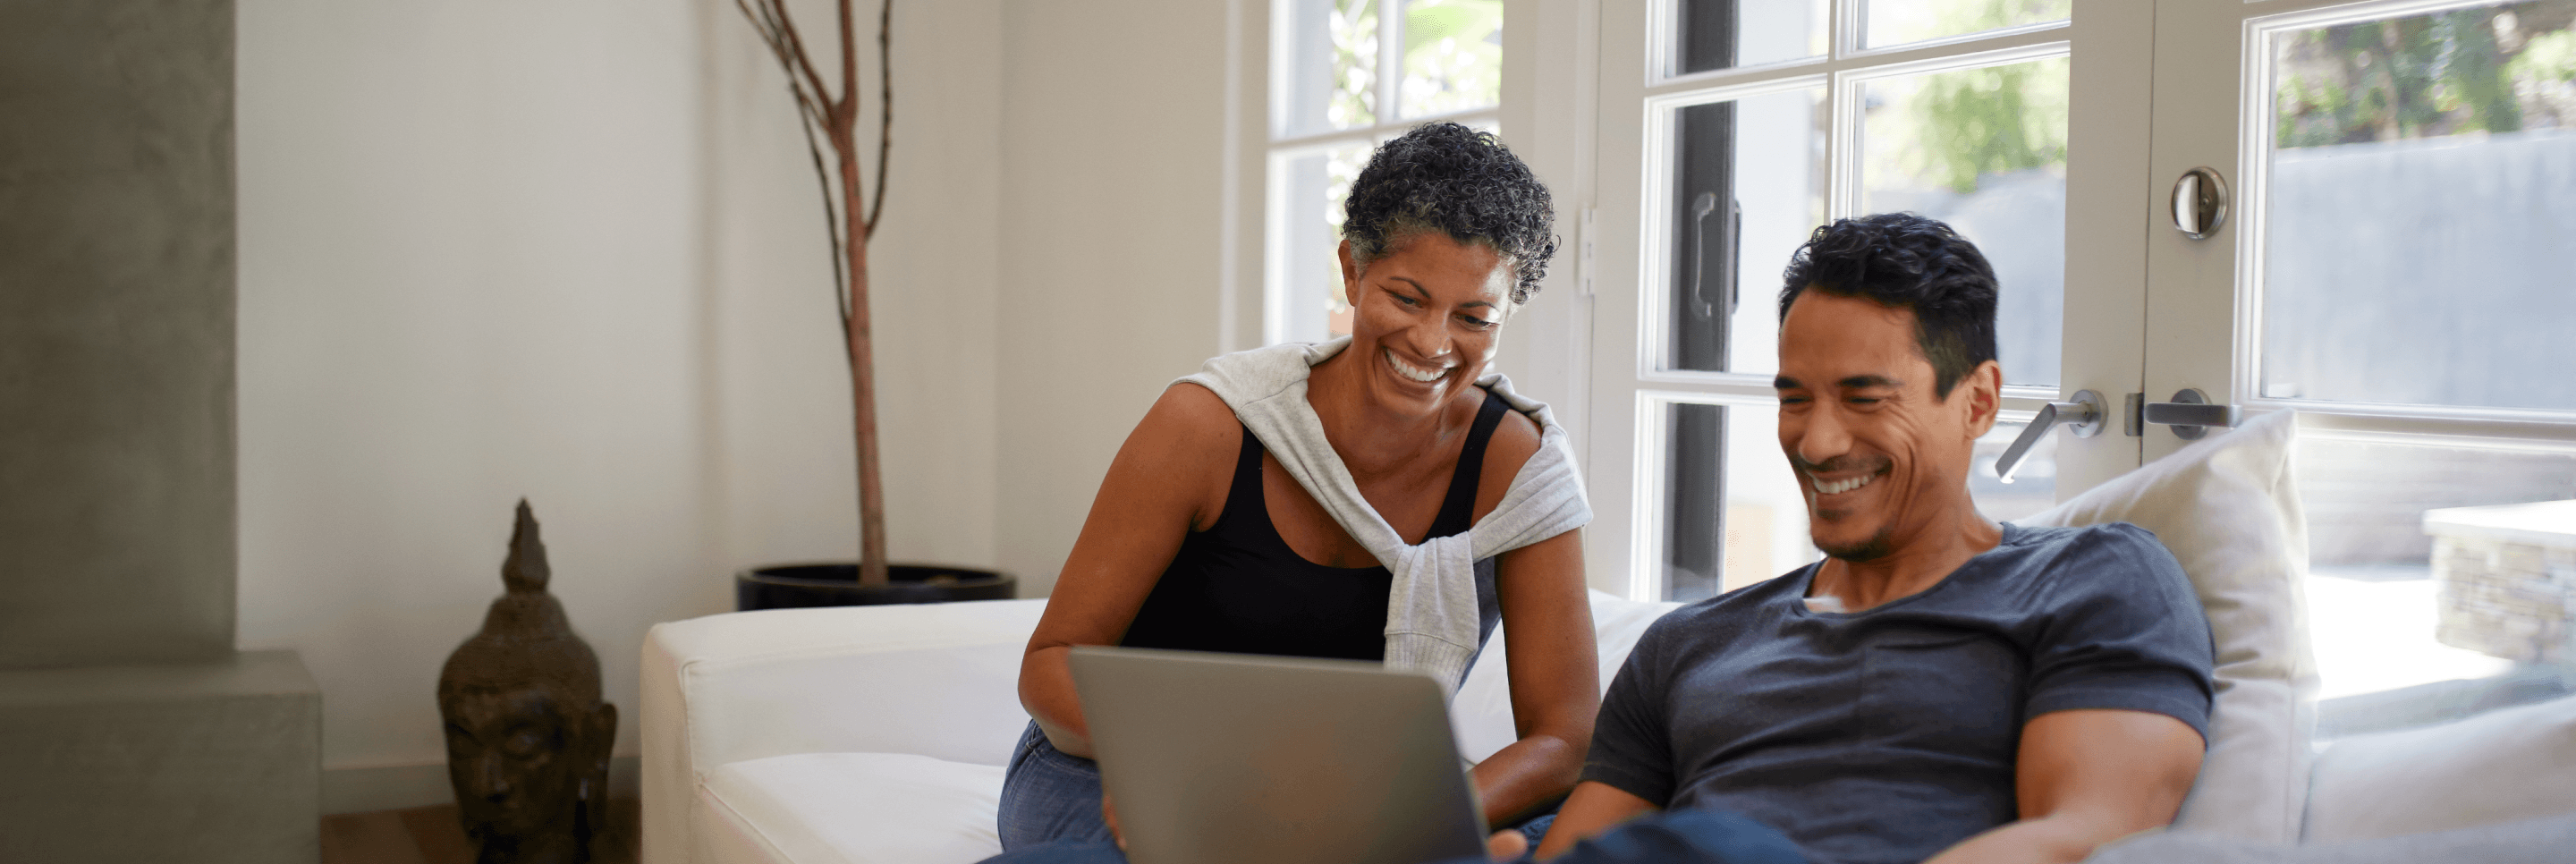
[1241, 759]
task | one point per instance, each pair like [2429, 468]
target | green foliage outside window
[2493, 69]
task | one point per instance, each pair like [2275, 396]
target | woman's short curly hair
[1460, 182]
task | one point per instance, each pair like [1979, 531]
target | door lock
[2199, 203]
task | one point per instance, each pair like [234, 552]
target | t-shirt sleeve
[2124, 631]
[1631, 743]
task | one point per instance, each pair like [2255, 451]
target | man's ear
[1984, 388]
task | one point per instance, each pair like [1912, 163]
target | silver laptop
[1237, 759]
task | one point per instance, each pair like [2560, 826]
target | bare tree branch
[804, 64]
[885, 122]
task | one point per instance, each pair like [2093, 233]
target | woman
[1257, 505]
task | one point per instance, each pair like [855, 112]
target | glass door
[1731, 129]
[2399, 181]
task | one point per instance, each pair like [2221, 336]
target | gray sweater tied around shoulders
[1431, 620]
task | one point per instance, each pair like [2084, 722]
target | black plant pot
[793, 586]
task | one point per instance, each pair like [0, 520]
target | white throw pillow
[2518, 763]
[2228, 509]
[1481, 714]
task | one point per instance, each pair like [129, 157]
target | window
[2392, 266]
[1757, 121]
[1345, 76]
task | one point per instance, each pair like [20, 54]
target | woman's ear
[1350, 272]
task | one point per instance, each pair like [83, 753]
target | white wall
[570, 250]
[1112, 213]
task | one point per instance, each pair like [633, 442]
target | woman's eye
[1476, 323]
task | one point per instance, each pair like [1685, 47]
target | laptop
[1241, 759]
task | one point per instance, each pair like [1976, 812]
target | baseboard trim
[400, 787]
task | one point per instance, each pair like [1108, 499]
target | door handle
[1701, 206]
[2083, 416]
[2191, 414]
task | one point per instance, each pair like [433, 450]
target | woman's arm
[1169, 479]
[1555, 678]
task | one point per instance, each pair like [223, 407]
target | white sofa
[822, 736]
[878, 734]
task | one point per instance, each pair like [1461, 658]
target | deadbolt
[2199, 202]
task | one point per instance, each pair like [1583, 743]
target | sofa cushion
[2228, 510]
[2513, 764]
[1481, 713]
[848, 808]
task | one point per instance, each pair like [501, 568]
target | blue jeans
[1049, 796]
[1684, 837]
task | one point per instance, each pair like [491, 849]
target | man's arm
[2086, 778]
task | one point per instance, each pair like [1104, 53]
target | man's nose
[1825, 436]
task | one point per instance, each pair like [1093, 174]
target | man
[1940, 686]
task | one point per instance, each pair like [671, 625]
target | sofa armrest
[935, 680]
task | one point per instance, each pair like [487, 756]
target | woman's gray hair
[1460, 182]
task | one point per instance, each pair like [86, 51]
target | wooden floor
[431, 835]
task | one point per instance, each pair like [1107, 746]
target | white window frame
[1271, 233]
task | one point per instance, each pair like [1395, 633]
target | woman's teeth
[1413, 372]
[1836, 487]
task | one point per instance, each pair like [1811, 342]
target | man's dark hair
[1458, 181]
[1905, 261]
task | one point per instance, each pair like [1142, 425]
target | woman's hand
[1168, 479]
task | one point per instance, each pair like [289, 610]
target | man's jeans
[1686, 837]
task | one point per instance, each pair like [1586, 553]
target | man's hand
[2086, 778]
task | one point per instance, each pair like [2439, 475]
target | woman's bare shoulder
[1515, 440]
[1189, 433]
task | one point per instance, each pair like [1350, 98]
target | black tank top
[1237, 587]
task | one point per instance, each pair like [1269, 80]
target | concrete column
[116, 331]
[130, 730]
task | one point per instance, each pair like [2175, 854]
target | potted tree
[850, 214]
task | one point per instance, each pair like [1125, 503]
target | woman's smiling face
[1427, 316]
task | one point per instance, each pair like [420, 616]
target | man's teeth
[1413, 372]
[1836, 487]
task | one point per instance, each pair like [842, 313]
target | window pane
[1897, 22]
[1733, 513]
[1984, 149]
[1750, 180]
[2430, 589]
[1331, 67]
[1726, 34]
[1312, 187]
[1453, 55]
[2422, 205]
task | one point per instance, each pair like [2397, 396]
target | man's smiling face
[1879, 456]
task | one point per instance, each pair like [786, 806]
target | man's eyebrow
[1784, 382]
[1862, 382]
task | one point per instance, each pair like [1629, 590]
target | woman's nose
[1428, 338]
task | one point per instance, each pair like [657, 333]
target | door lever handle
[2083, 416]
[2190, 414]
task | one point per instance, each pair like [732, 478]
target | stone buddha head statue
[527, 735]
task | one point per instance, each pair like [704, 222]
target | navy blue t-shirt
[1889, 734]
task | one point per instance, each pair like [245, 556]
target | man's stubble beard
[1878, 546]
